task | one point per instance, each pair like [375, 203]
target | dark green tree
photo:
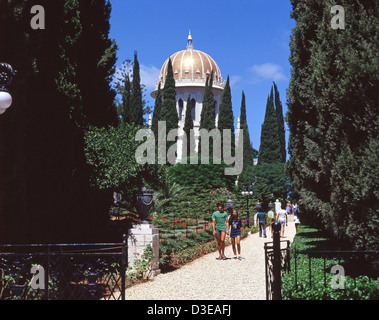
[111, 154]
[226, 118]
[136, 103]
[271, 181]
[157, 112]
[333, 119]
[46, 178]
[248, 154]
[269, 150]
[207, 116]
[281, 129]
[168, 111]
[124, 107]
[188, 129]
[96, 55]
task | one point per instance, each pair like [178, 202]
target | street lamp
[230, 205]
[6, 75]
[248, 192]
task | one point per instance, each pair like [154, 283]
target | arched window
[193, 104]
[180, 109]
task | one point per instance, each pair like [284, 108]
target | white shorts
[282, 221]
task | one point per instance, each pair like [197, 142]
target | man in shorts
[220, 224]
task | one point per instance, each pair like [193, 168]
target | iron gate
[63, 272]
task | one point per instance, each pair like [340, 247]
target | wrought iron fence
[63, 271]
[350, 263]
[330, 264]
[277, 261]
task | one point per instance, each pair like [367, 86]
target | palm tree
[164, 196]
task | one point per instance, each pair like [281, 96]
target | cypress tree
[124, 108]
[333, 119]
[136, 104]
[96, 57]
[281, 129]
[157, 112]
[168, 111]
[47, 192]
[207, 116]
[248, 155]
[226, 117]
[188, 129]
[156, 119]
[269, 151]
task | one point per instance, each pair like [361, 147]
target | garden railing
[63, 271]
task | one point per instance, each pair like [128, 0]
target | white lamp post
[6, 76]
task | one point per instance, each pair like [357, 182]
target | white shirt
[282, 214]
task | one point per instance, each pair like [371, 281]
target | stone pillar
[139, 237]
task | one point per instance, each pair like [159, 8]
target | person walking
[220, 224]
[261, 222]
[235, 223]
[289, 207]
[294, 207]
[282, 218]
[271, 217]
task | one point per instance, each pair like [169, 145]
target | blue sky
[248, 39]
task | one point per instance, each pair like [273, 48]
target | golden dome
[191, 68]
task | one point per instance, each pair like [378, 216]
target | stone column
[139, 237]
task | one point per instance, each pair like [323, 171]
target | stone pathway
[209, 279]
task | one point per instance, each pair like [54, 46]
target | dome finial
[189, 41]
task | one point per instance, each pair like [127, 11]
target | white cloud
[149, 75]
[267, 71]
[234, 79]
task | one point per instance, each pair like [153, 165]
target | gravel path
[209, 279]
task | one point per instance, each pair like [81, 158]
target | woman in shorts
[235, 223]
[220, 226]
